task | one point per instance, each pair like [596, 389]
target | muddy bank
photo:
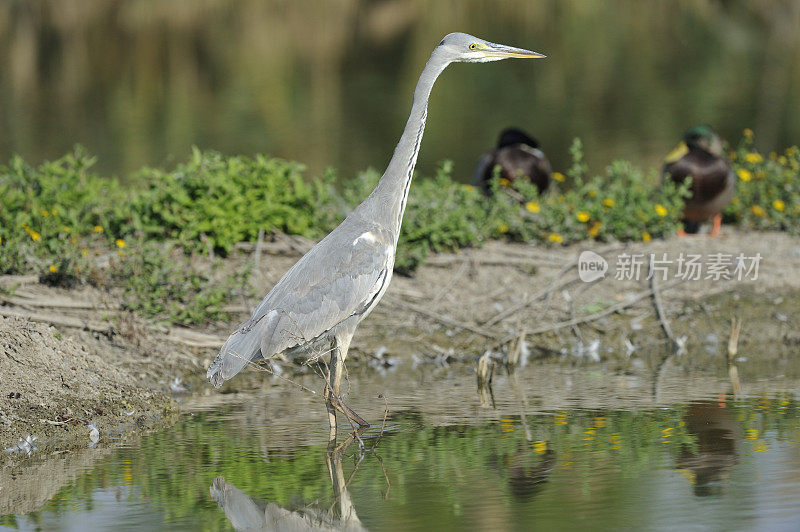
[103, 366]
[56, 383]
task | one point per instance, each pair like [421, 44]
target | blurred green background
[138, 82]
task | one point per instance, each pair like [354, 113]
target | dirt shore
[70, 358]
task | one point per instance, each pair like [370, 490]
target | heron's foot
[717, 225]
[347, 411]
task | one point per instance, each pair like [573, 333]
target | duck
[700, 156]
[518, 155]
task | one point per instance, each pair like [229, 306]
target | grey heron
[321, 300]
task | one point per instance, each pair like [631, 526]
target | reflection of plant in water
[175, 468]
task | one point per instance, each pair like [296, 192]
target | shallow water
[548, 447]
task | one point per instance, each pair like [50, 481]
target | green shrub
[623, 205]
[441, 215]
[768, 188]
[162, 283]
[50, 214]
[60, 221]
[226, 200]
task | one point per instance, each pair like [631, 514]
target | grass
[71, 226]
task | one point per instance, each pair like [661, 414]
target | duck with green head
[700, 157]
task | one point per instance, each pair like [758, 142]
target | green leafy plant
[768, 188]
[226, 200]
[624, 204]
[161, 283]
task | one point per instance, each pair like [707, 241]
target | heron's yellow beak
[499, 50]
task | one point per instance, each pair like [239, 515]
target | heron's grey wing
[342, 276]
[342, 283]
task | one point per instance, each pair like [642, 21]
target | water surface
[548, 447]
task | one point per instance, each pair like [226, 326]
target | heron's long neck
[388, 200]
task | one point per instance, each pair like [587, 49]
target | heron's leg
[341, 346]
[332, 387]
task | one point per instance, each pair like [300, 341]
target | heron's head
[704, 138]
[462, 47]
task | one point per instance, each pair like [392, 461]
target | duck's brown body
[518, 156]
[713, 183]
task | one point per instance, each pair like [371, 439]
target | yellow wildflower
[469, 188]
[539, 446]
[35, 236]
[744, 174]
[773, 155]
[84, 252]
[1, 239]
[503, 229]
[97, 229]
[779, 205]
[753, 158]
[782, 160]
[608, 202]
[66, 229]
[594, 230]
[54, 212]
[558, 176]
[758, 211]
[45, 213]
[532, 206]
[52, 268]
[748, 133]
[592, 193]
[503, 182]
[120, 252]
[646, 237]
[555, 238]
[583, 216]
[661, 210]
[120, 243]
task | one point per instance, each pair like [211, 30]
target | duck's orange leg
[681, 232]
[717, 225]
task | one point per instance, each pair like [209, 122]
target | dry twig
[662, 317]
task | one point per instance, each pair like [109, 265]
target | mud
[120, 375]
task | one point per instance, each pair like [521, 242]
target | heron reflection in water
[321, 300]
[250, 513]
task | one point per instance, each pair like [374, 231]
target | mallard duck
[700, 157]
[518, 155]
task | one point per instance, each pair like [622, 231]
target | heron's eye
[473, 46]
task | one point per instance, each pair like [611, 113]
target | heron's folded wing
[329, 284]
